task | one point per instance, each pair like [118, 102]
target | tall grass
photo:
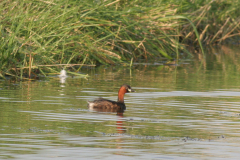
[36, 34]
[217, 21]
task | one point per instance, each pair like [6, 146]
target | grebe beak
[131, 90]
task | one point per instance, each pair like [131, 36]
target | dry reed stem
[236, 34]
[141, 44]
[121, 48]
[201, 16]
[110, 53]
[203, 32]
[48, 2]
[112, 3]
[129, 41]
[221, 29]
[227, 35]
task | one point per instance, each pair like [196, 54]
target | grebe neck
[121, 93]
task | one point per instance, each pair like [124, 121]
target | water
[185, 111]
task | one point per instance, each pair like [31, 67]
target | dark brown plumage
[101, 103]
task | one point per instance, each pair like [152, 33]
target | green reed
[37, 34]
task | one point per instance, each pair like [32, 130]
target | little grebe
[101, 103]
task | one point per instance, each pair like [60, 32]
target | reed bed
[36, 35]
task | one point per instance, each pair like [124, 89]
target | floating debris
[63, 76]
[63, 73]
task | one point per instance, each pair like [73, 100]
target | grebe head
[124, 89]
[127, 88]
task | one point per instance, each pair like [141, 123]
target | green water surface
[187, 110]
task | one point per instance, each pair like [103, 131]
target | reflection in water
[119, 124]
[119, 111]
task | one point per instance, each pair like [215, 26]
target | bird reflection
[119, 122]
[120, 128]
